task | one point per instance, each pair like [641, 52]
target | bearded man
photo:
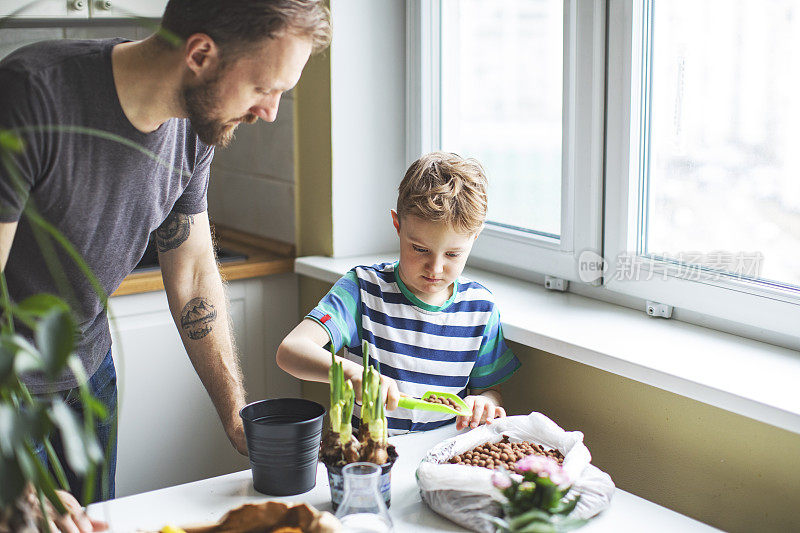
[165, 102]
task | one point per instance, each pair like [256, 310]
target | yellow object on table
[171, 529]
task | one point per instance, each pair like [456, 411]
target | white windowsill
[747, 377]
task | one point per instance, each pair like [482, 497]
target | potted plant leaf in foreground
[339, 445]
[27, 486]
[535, 503]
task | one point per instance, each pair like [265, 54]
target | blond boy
[429, 328]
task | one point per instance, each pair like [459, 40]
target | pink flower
[544, 467]
[500, 480]
[561, 479]
[549, 467]
[532, 463]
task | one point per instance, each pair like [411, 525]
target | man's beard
[201, 102]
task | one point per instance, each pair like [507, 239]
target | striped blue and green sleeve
[339, 312]
[496, 363]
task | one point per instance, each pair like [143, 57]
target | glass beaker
[362, 509]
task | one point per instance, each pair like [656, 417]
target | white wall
[368, 122]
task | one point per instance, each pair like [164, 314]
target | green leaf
[43, 480]
[55, 464]
[11, 141]
[527, 517]
[28, 358]
[26, 464]
[95, 406]
[499, 523]
[564, 508]
[7, 353]
[43, 510]
[81, 448]
[8, 431]
[41, 304]
[55, 337]
[18, 426]
[538, 527]
[13, 481]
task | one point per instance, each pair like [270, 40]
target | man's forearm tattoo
[174, 231]
[197, 318]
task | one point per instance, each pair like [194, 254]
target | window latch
[555, 284]
[658, 309]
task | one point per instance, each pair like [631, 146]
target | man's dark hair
[235, 24]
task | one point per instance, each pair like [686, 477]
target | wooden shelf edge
[265, 258]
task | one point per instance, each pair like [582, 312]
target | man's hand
[484, 407]
[75, 520]
[235, 432]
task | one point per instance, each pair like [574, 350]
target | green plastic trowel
[419, 403]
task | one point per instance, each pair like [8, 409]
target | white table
[207, 500]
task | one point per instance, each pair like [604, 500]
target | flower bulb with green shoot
[339, 446]
[373, 433]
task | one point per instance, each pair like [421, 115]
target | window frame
[505, 249]
[600, 159]
[753, 303]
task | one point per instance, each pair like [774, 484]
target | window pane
[724, 177]
[501, 65]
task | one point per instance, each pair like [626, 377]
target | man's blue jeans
[103, 385]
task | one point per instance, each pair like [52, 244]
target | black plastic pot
[283, 437]
[336, 480]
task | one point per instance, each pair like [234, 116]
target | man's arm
[7, 231]
[200, 310]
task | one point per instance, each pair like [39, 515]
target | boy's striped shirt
[450, 348]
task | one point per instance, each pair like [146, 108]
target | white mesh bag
[464, 493]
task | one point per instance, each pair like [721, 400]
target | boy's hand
[389, 389]
[484, 410]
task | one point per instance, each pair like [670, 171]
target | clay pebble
[503, 454]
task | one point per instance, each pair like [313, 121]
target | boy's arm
[492, 394]
[302, 354]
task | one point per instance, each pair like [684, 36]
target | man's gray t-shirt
[104, 195]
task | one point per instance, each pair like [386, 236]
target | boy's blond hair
[444, 187]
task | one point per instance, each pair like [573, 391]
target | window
[507, 113]
[672, 150]
[534, 119]
[700, 208]
[724, 169]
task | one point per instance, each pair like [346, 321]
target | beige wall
[720, 468]
[313, 170]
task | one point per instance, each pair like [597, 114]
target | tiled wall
[13, 38]
[252, 185]
[252, 181]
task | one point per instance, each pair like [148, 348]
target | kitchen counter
[207, 500]
[264, 257]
